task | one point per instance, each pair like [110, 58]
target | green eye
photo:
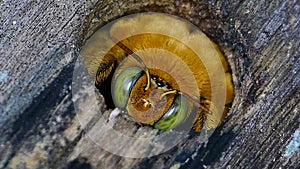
[176, 114]
[122, 85]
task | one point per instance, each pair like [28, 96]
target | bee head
[151, 96]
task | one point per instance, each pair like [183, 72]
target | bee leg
[105, 69]
[208, 117]
[103, 81]
[200, 119]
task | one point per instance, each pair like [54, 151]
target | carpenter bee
[164, 71]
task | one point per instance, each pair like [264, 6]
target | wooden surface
[39, 44]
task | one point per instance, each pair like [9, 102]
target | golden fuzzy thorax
[163, 44]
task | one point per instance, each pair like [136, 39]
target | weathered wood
[40, 42]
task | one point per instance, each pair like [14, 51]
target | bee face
[163, 70]
[153, 95]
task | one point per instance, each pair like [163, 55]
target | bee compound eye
[122, 85]
[177, 113]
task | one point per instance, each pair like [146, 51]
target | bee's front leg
[208, 116]
[105, 69]
[103, 79]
